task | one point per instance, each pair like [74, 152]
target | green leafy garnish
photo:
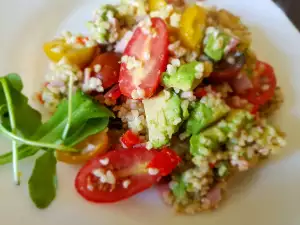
[88, 118]
[34, 143]
[27, 119]
[75, 119]
[67, 127]
[42, 183]
[12, 120]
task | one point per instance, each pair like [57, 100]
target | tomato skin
[152, 68]
[79, 158]
[130, 163]
[110, 68]
[165, 161]
[257, 95]
[129, 139]
[126, 164]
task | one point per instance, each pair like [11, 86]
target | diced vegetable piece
[165, 161]
[186, 78]
[205, 112]
[216, 44]
[163, 115]
[129, 139]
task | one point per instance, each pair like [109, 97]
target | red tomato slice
[165, 161]
[126, 165]
[151, 49]
[110, 68]
[264, 84]
[129, 139]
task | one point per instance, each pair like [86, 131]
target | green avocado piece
[185, 77]
[185, 109]
[163, 116]
[216, 44]
[215, 136]
[205, 112]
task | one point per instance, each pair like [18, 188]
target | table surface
[292, 8]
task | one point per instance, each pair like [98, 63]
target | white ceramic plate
[265, 196]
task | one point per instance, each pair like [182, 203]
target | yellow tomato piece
[192, 25]
[98, 143]
[57, 49]
[155, 5]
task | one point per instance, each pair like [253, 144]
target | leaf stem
[34, 143]
[13, 128]
[69, 119]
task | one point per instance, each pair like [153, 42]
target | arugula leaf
[12, 123]
[27, 119]
[15, 80]
[23, 152]
[88, 118]
[84, 109]
[42, 183]
[92, 126]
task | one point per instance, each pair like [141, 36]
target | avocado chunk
[213, 137]
[217, 43]
[205, 112]
[186, 78]
[163, 117]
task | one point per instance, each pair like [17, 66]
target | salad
[157, 93]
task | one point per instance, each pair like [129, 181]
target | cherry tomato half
[57, 49]
[98, 144]
[151, 49]
[192, 25]
[124, 173]
[127, 165]
[264, 84]
[228, 68]
[110, 68]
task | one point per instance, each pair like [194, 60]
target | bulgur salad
[158, 93]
